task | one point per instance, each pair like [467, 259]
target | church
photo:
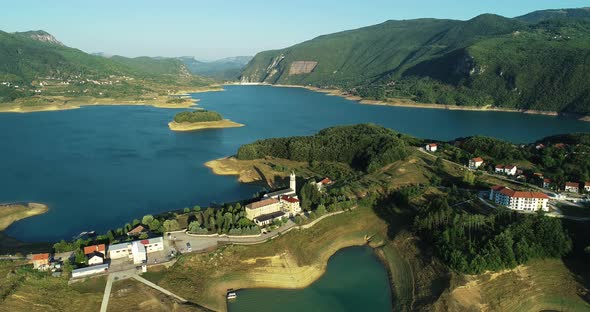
[275, 205]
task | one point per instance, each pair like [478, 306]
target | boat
[232, 295]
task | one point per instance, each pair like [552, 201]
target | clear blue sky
[218, 28]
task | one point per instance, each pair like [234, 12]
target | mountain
[35, 63]
[489, 60]
[545, 15]
[222, 69]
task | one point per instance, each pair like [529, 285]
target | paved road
[107, 293]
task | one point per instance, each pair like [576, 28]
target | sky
[215, 29]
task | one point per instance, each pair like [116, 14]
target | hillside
[534, 62]
[36, 70]
[222, 69]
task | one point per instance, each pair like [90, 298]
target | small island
[200, 119]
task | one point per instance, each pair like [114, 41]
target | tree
[147, 220]
[154, 225]
[310, 196]
[194, 227]
[171, 225]
[186, 210]
[469, 177]
[321, 210]
[197, 208]
[80, 257]
[143, 235]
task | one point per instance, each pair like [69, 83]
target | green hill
[34, 66]
[223, 69]
[489, 60]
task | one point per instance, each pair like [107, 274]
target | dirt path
[154, 286]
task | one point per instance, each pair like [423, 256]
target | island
[200, 119]
[10, 213]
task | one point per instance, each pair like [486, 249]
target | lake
[102, 166]
[355, 280]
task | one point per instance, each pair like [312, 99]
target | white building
[138, 252]
[289, 191]
[432, 147]
[323, 183]
[587, 186]
[475, 163]
[290, 205]
[263, 207]
[95, 258]
[518, 200]
[499, 169]
[91, 270]
[510, 170]
[572, 187]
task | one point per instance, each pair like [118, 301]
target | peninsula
[10, 213]
[200, 119]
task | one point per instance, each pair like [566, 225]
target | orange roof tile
[90, 249]
[290, 199]
[262, 203]
[43, 256]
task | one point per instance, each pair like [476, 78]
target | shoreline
[14, 212]
[194, 126]
[411, 104]
[73, 103]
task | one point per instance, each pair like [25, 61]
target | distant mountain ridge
[228, 68]
[536, 61]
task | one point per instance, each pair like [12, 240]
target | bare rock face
[40, 35]
[302, 67]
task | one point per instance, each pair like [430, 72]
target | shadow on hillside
[577, 261]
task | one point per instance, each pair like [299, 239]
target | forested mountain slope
[538, 61]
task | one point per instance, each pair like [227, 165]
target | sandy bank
[193, 126]
[10, 213]
[58, 103]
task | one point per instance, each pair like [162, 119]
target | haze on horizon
[225, 28]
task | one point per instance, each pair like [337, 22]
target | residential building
[91, 270]
[499, 169]
[510, 170]
[138, 252]
[40, 261]
[95, 258]
[136, 231]
[519, 200]
[432, 147]
[290, 205]
[323, 183]
[95, 248]
[587, 186]
[288, 191]
[262, 207]
[572, 187]
[475, 163]
[137, 249]
[547, 183]
[268, 218]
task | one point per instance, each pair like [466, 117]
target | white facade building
[91, 270]
[475, 163]
[518, 200]
[432, 147]
[138, 252]
[572, 187]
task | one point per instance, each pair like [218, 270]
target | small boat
[231, 295]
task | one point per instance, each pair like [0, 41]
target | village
[546, 197]
[141, 251]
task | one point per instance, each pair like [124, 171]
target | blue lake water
[100, 167]
[355, 280]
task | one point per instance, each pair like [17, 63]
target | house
[136, 231]
[290, 205]
[432, 147]
[547, 183]
[91, 270]
[499, 169]
[40, 261]
[540, 146]
[519, 200]
[572, 187]
[475, 163]
[288, 191]
[136, 250]
[262, 207]
[510, 170]
[95, 248]
[323, 183]
[587, 186]
[268, 218]
[95, 258]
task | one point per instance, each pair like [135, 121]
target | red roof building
[95, 248]
[136, 231]
[519, 200]
[290, 199]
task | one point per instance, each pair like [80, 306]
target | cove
[355, 280]
[102, 166]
